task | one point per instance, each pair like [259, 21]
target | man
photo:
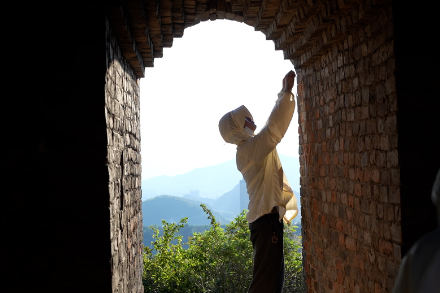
[270, 197]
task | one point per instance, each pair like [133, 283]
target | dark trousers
[268, 273]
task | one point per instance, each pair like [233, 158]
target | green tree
[217, 260]
[167, 269]
[293, 282]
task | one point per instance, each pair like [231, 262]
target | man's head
[232, 125]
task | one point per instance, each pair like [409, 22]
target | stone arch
[368, 103]
[144, 28]
[343, 52]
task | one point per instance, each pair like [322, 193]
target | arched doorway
[347, 93]
[62, 156]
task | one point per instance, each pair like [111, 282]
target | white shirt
[258, 160]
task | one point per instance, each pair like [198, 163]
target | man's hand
[288, 81]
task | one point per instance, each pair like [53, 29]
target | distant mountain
[228, 205]
[216, 186]
[210, 182]
[173, 208]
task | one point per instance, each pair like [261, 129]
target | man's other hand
[288, 81]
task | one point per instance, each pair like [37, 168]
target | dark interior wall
[417, 73]
[54, 177]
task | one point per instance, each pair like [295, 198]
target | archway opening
[213, 69]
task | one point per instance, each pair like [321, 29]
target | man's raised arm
[258, 147]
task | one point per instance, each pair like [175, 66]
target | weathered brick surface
[124, 167]
[350, 163]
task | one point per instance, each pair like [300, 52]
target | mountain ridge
[211, 181]
[174, 208]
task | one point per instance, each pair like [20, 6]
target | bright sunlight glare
[216, 67]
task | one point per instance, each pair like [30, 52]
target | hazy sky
[216, 67]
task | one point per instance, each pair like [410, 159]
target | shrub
[217, 260]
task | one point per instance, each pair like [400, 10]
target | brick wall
[350, 163]
[70, 150]
[124, 167]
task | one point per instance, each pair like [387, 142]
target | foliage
[293, 260]
[186, 232]
[217, 260]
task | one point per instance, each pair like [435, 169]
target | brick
[390, 85]
[380, 211]
[350, 243]
[397, 252]
[367, 175]
[396, 232]
[392, 158]
[394, 195]
[385, 230]
[389, 212]
[377, 288]
[397, 213]
[357, 190]
[384, 142]
[392, 268]
[367, 237]
[357, 204]
[383, 194]
[375, 176]
[349, 213]
[385, 178]
[386, 247]
[395, 176]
